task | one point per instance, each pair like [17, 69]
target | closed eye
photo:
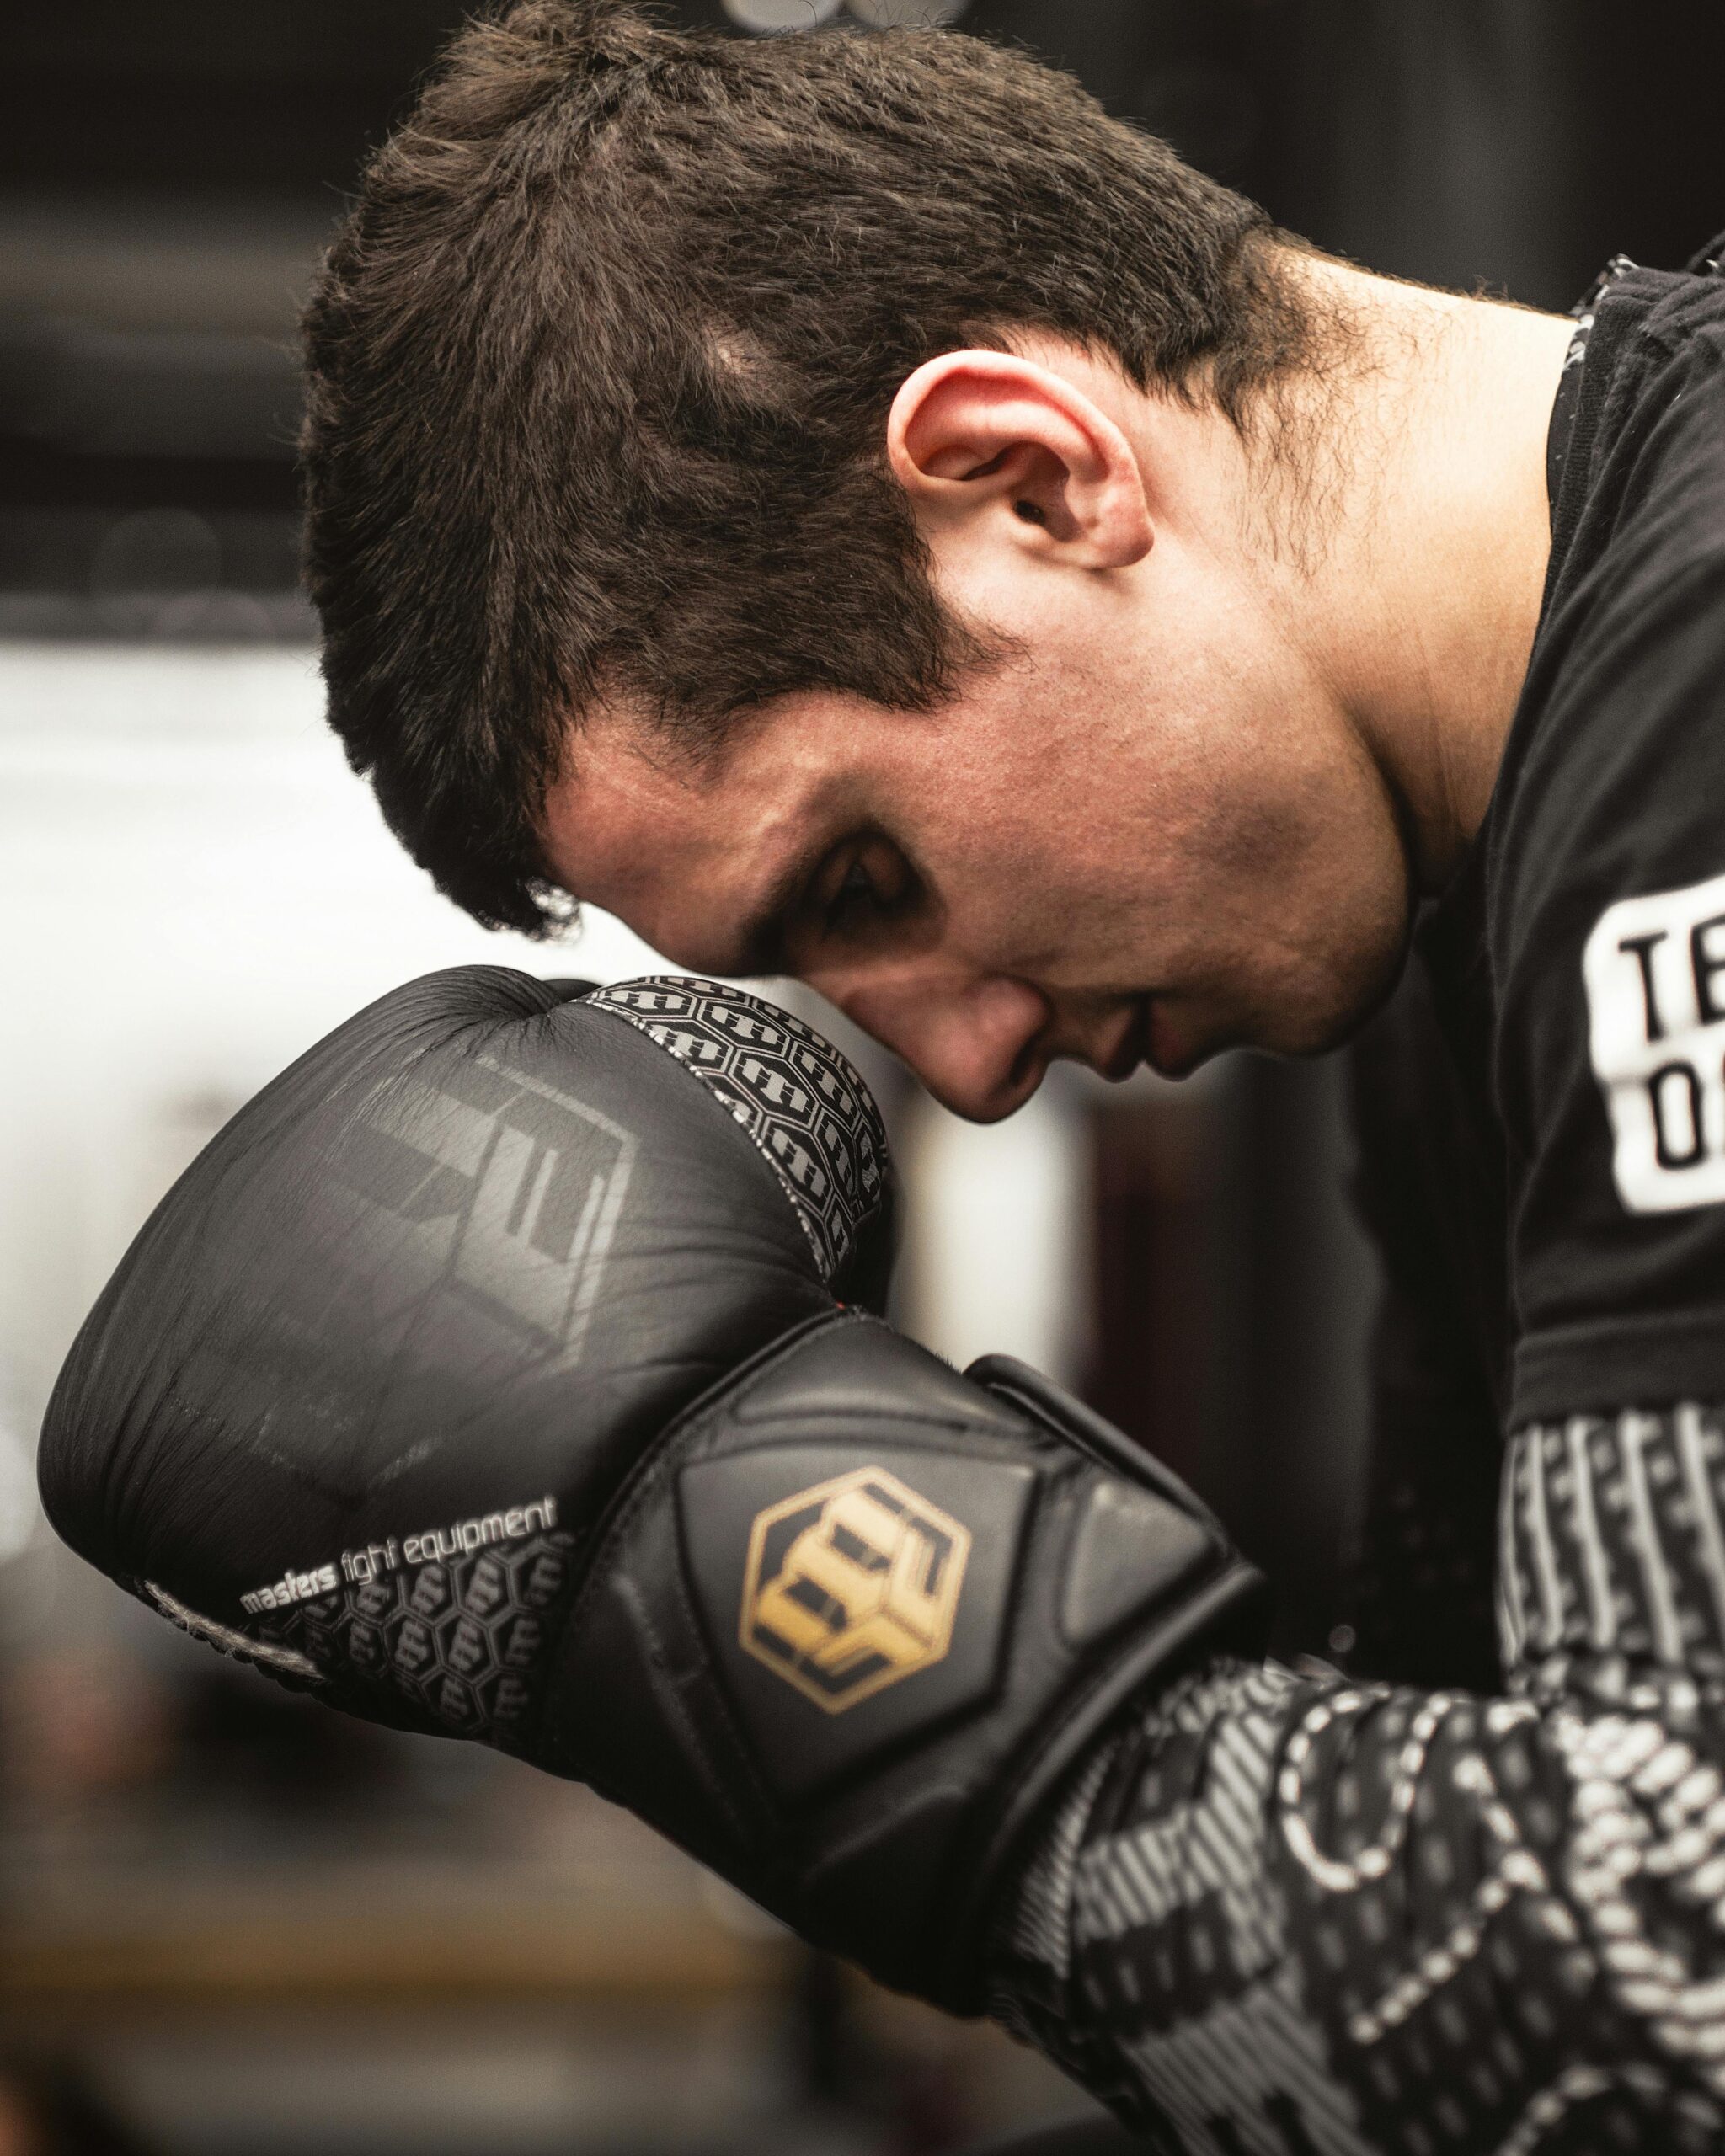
[855, 897]
[862, 884]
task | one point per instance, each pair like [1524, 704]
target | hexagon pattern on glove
[800, 1101]
[459, 1639]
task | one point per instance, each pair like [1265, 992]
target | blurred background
[230, 1921]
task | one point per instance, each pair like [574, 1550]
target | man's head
[1146, 830]
[601, 363]
[827, 499]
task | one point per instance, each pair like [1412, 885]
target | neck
[1428, 590]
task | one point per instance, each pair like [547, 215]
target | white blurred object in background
[17, 1492]
[995, 1254]
[770, 17]
[766, 16]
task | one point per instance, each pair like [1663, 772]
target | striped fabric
[1306, 1915]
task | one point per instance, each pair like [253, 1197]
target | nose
[980, 1045]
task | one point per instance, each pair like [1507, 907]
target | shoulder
[1615, 766]
[1604, 849]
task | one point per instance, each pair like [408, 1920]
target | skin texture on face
[1184, 811]
[968, 894]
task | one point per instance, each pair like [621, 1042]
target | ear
[980, 435]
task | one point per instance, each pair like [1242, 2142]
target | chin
[1297, 1012]
[1329, 1014]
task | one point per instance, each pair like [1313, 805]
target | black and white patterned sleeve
[1306, 1916]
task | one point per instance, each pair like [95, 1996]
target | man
[855, 511]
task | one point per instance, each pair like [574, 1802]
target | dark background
[167, 175]
[166, 171]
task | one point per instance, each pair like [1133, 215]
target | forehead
[679, 845]
[628, 804]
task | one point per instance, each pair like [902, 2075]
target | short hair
[599, 368]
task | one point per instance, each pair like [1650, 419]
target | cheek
[1308, 908]
[1039, 859]
[1276, 797]
[1073, 909]
[998, 885]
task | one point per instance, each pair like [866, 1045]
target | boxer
[858, 512]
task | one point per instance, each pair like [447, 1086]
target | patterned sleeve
[1303, 1916]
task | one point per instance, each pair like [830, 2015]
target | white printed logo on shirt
[1655, 974]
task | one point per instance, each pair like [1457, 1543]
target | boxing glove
[511, 1367]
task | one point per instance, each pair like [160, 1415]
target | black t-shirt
[1540, 1108]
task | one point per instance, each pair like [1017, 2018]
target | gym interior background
[235, 1923]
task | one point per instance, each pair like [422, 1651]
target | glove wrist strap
[848, 1628]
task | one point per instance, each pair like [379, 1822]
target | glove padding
[506, 1369]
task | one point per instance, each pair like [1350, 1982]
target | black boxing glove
[505, 1369]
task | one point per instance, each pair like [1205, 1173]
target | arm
[1279, 1911]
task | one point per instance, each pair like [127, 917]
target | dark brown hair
[601, 360]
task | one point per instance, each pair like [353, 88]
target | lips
[1133, 1047]
[1149, 1039]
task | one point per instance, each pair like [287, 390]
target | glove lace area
[800, 1101]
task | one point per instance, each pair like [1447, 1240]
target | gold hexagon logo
[851, 1586]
